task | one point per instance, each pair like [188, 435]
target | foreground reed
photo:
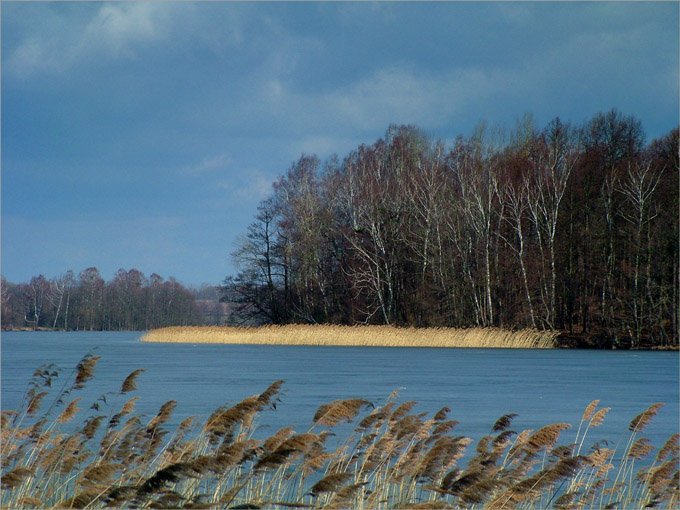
[366, 336]
[390, 457]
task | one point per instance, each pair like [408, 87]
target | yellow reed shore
[368, 336]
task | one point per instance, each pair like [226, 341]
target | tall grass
[390, 456]
[374, 336]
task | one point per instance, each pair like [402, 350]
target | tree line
[564, 227]
[130, 301]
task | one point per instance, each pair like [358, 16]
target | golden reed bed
[367, 336]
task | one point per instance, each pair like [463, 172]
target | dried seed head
[130, 382]
[127, 408]
[669, 449]
[642, 420]
[590, 409]
[34, 404]
[300, 442]
[376, 418]
[266, 398]
[273, 442]
[163, 415]
[545, 437]
[503, 422]
[15, 477]
[640, 448]
[330, 483]
[85, 370]
[442, 413]
[91, 426]
[339, 410]
[222, 421]
[274, 459]
[598, 417]
[70, 411]
[663, 477]
[100, 473]
[170, 474]
[402, 410]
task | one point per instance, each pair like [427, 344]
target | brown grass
[366, 336]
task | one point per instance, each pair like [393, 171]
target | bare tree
[638, 187]
[476, 173]
[517, 200]
[373, 211]
[39, 295]
[263, 268]
[552, 164]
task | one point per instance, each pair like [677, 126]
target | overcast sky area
[145, 134]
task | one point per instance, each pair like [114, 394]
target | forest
[130, 301]
[565, 227]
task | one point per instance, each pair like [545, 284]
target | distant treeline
[130, 301]
[566, 227]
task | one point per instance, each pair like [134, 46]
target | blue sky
[144, 134]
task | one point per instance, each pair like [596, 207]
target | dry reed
[366, 336]
[393, 458]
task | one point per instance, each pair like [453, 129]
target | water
[479, 385]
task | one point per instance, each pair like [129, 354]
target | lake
[479, 385]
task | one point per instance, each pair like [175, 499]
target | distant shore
[366, 336]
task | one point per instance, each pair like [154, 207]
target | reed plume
[545, 437]
[69, 412]
[339, 410]
[91, 426]
[589, 410]
[100, 473]
[85, 370]
[671, 448]
[15, 477]
[503, 422]
[642, 420]
[130, 382]
[330, 483]
[640, 448]
[441, 414]
[598, 417]
[163, 415]
[34, 403]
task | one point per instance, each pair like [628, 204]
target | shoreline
[356, 336]
[380, 336]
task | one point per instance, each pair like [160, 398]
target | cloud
[385, 96]
[251, 185]
[117, 29]
[62, 38]
[207, 165]
[112, 31]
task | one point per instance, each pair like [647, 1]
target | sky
[144, 134]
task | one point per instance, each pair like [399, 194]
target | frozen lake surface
[479, 385]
